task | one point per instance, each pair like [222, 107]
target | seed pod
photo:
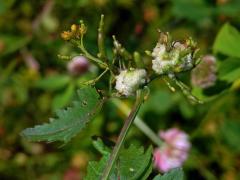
[78, 65]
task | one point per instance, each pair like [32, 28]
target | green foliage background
[29, 96]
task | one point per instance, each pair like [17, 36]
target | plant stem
[185, 90]
[93, 81]
[122, 136]
[101, 46]
[87, 54]
[139, 123]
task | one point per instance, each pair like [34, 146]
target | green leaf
[197, 10]
[133, 164]
[13, 43]
[229, 69]
[100, 146]
[6, 5]
[152, 104]
[63, 98]
[70, 121]
[232, 76]
[95, 169]
[230, 133]
[186, 109]
[227, 41]
[53, 82]
[175, 174]
[229, 9]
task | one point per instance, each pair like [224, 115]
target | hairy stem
[122, 136]
[139, 123]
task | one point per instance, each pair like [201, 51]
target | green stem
[186, 90]
[87, 54]
[139, 122]
[93, 81]
[110, 83]
[120, 49]
[122, 136]
[101, 47]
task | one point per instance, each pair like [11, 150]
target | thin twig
[87, 54]
[93, 81]
[138, 122]
[122, 136]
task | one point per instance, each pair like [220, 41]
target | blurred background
[34, 82]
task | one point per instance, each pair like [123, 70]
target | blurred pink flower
[204, 75]
[78, 65]
[173, 152]
[72, 174]
[30, 60]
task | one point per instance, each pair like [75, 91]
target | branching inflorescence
[168, 59]
[127, 73]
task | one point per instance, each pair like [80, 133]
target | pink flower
[173, 152]
[175, 138]
[78, 65]
[204, 75]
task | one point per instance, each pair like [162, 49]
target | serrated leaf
[133, 164]
[227, 41]
[100, 146]
[174, 174]
[95, 169]
[70, 121]
[147, 171]
[63, 98]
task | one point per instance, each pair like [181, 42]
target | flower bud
[78, 65]
[173, 152]
[204, 75]
[74, 28]
[82, 28]
[128, 81]
[66, 35]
